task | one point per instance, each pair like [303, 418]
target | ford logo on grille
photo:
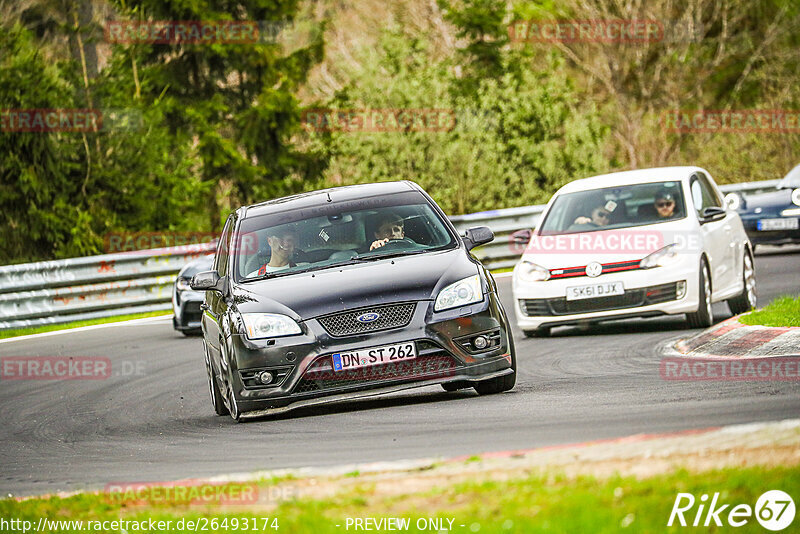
[368, 317]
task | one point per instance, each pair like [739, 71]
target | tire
[539, 332]
[746, 300]
[703, 317]
[232, 407]
[213, 387]
[501, 383]
[455, 386]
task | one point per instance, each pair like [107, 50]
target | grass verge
[783, 311]
[534, 502]
[76, 324]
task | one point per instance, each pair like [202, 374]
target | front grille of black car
[191, 312]
[432, 361]
[347, 324]
[630, 299]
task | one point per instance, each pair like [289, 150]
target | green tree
[236, 101]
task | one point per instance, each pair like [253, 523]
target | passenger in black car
[282, 246]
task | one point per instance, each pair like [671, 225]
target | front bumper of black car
[303, 368]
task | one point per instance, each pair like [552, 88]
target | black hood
[315, 293]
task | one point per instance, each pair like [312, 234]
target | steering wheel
[403, 242]
[582, 226]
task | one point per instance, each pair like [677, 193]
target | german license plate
[595, 290]
[343, 361]
[765, 225]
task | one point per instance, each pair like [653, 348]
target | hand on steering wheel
[391, 241]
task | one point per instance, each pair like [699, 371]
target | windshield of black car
[376, 229]
[615, 207]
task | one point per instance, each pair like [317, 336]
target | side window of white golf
[712, 198]
[697, 195]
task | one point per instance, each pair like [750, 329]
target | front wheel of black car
[232, 407]
[501, 383]
[496, 385]
[216, 397]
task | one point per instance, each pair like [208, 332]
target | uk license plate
[343, 361]
[595, 290]
[765, 225]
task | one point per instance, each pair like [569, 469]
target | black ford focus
[345, 293]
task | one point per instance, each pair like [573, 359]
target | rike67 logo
[774, 510]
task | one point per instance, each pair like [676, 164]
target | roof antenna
[329, 196]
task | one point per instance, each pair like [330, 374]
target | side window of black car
[223, 249]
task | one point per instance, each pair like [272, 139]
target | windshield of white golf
[615, 207]
[336, 238]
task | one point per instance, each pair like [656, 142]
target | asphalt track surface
[158, 425]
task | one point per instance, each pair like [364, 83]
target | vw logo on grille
[370, 317]
[594, 269]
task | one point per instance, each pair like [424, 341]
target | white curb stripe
[131, 322]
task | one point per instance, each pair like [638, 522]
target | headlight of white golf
[264, 325]
[661, 257]
[796, 196]
[461, 293]
[530, 272]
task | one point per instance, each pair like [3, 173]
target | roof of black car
[336, 194]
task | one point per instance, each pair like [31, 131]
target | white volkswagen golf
[633, 244]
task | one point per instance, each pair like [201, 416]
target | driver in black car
[389, 227]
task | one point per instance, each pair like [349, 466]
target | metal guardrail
[76, 289]
[52, 292]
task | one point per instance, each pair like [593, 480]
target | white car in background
[633, 244]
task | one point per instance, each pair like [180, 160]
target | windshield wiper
[389, 255]
[266, 276]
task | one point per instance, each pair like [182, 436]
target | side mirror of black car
[521, 237]
[480, 235]
[712, 213]
[205, 281]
